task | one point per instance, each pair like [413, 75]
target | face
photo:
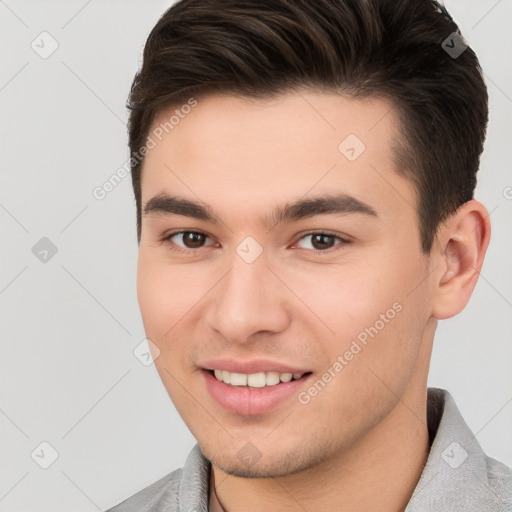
[300, 259]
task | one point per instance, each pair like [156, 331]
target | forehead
[246, 152]
[292, 113]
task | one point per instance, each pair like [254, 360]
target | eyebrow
[339, 204]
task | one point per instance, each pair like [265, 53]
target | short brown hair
[363, 48]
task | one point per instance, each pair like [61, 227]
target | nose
[248, 300]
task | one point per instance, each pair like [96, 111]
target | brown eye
[321, 242]
[193, 240]
[184, 240]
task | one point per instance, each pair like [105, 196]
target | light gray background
[70, 325]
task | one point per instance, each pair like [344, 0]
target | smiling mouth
[255, 380]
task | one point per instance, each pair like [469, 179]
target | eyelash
[176, 248]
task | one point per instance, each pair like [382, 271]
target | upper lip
[251, 366]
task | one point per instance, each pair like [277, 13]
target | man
[304, 176]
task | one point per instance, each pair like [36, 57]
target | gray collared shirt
[458, 476]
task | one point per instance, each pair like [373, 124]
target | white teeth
[271, 378]
[238, 379]
[255, 380]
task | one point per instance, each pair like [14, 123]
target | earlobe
[463, 240]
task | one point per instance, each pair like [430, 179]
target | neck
[378, 472]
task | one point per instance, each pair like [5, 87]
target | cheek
[378, 333]
[347, 297]
[170, 303]
[371, 303]
[152, 296]
[165, 293]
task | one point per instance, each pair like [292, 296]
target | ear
[459, 250]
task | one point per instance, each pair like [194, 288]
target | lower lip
[251, 401]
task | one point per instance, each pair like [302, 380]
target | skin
[362, 442]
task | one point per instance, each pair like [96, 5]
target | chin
[249, 462]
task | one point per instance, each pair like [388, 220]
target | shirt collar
[455, 476]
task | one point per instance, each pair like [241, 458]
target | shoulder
[458, 476]
[183, 489]
[162, 495]
[499, 478]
